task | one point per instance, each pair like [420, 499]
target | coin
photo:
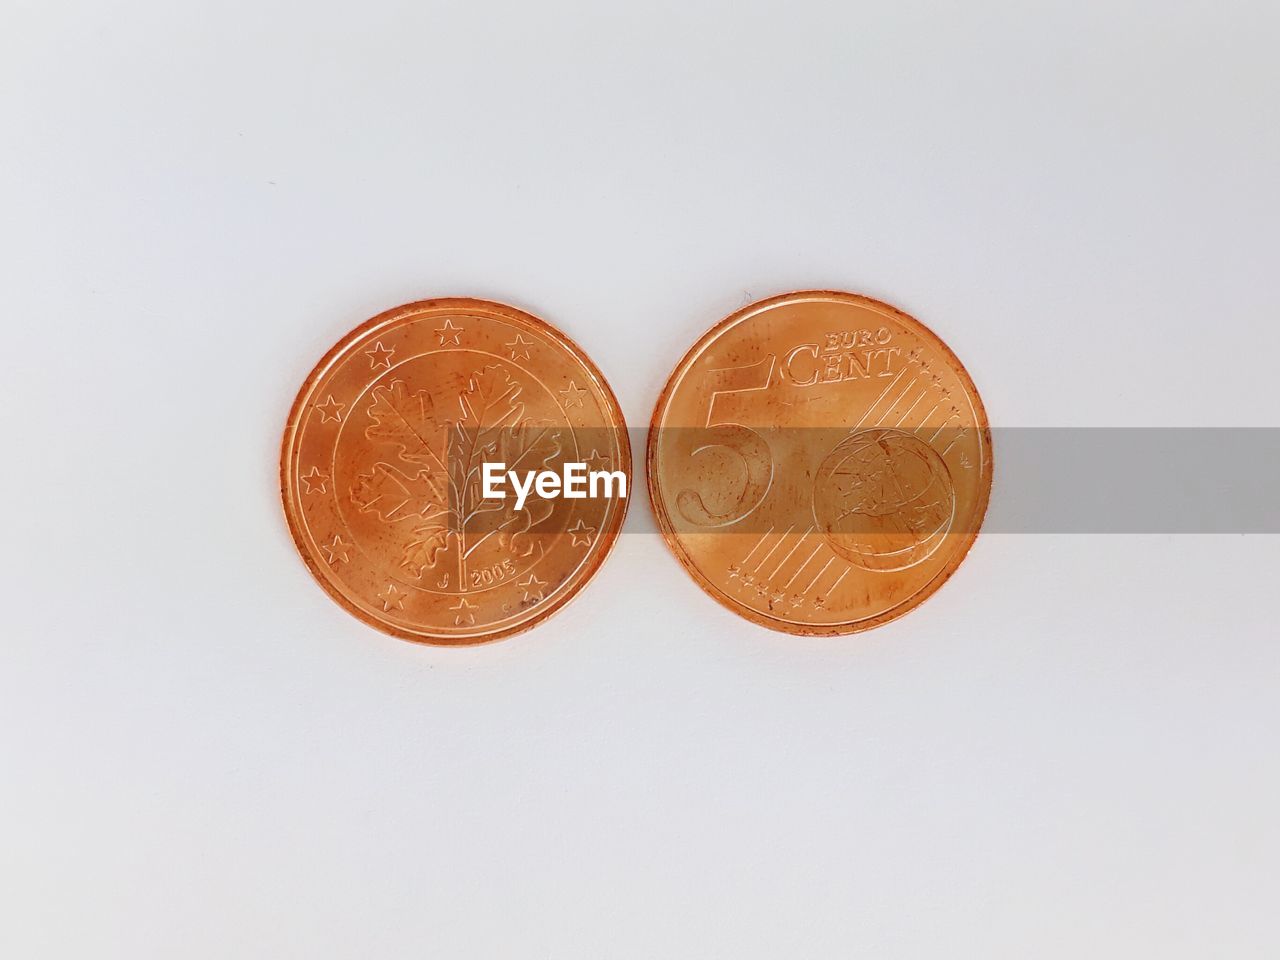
[819, 462]
[383, 480]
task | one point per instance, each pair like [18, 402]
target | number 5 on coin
[738, 438]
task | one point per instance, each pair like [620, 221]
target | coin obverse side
[819, 462]
[381, 478]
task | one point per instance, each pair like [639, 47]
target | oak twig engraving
[432, 487]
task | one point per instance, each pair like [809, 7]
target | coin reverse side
[381, 480]
[820, 462]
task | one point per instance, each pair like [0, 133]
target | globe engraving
[884, 499]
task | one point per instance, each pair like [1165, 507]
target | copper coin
[381, 470]
[819, 462]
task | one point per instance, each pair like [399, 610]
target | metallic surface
[380, 465]
[819, 462]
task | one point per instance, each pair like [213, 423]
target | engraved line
[912, 407]
[950, 417]
[925, 419]
[830, 560]
[959, 434]
[783, 562]
[757, 546]
[832, 589]
[902, 396]
[802, 566]
[875, 403]
[757, 567]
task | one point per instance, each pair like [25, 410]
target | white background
[1068, 752]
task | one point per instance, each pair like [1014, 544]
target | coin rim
[682, 555]
[440, 306]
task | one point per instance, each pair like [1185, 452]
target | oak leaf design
[493, 427]
[437, 494]
[406, 420]
[428, 540]
[394, 495]
[532, 445]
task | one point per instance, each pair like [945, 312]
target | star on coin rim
[447, 307]
[663, 518]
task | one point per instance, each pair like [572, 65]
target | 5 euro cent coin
[819, 462]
